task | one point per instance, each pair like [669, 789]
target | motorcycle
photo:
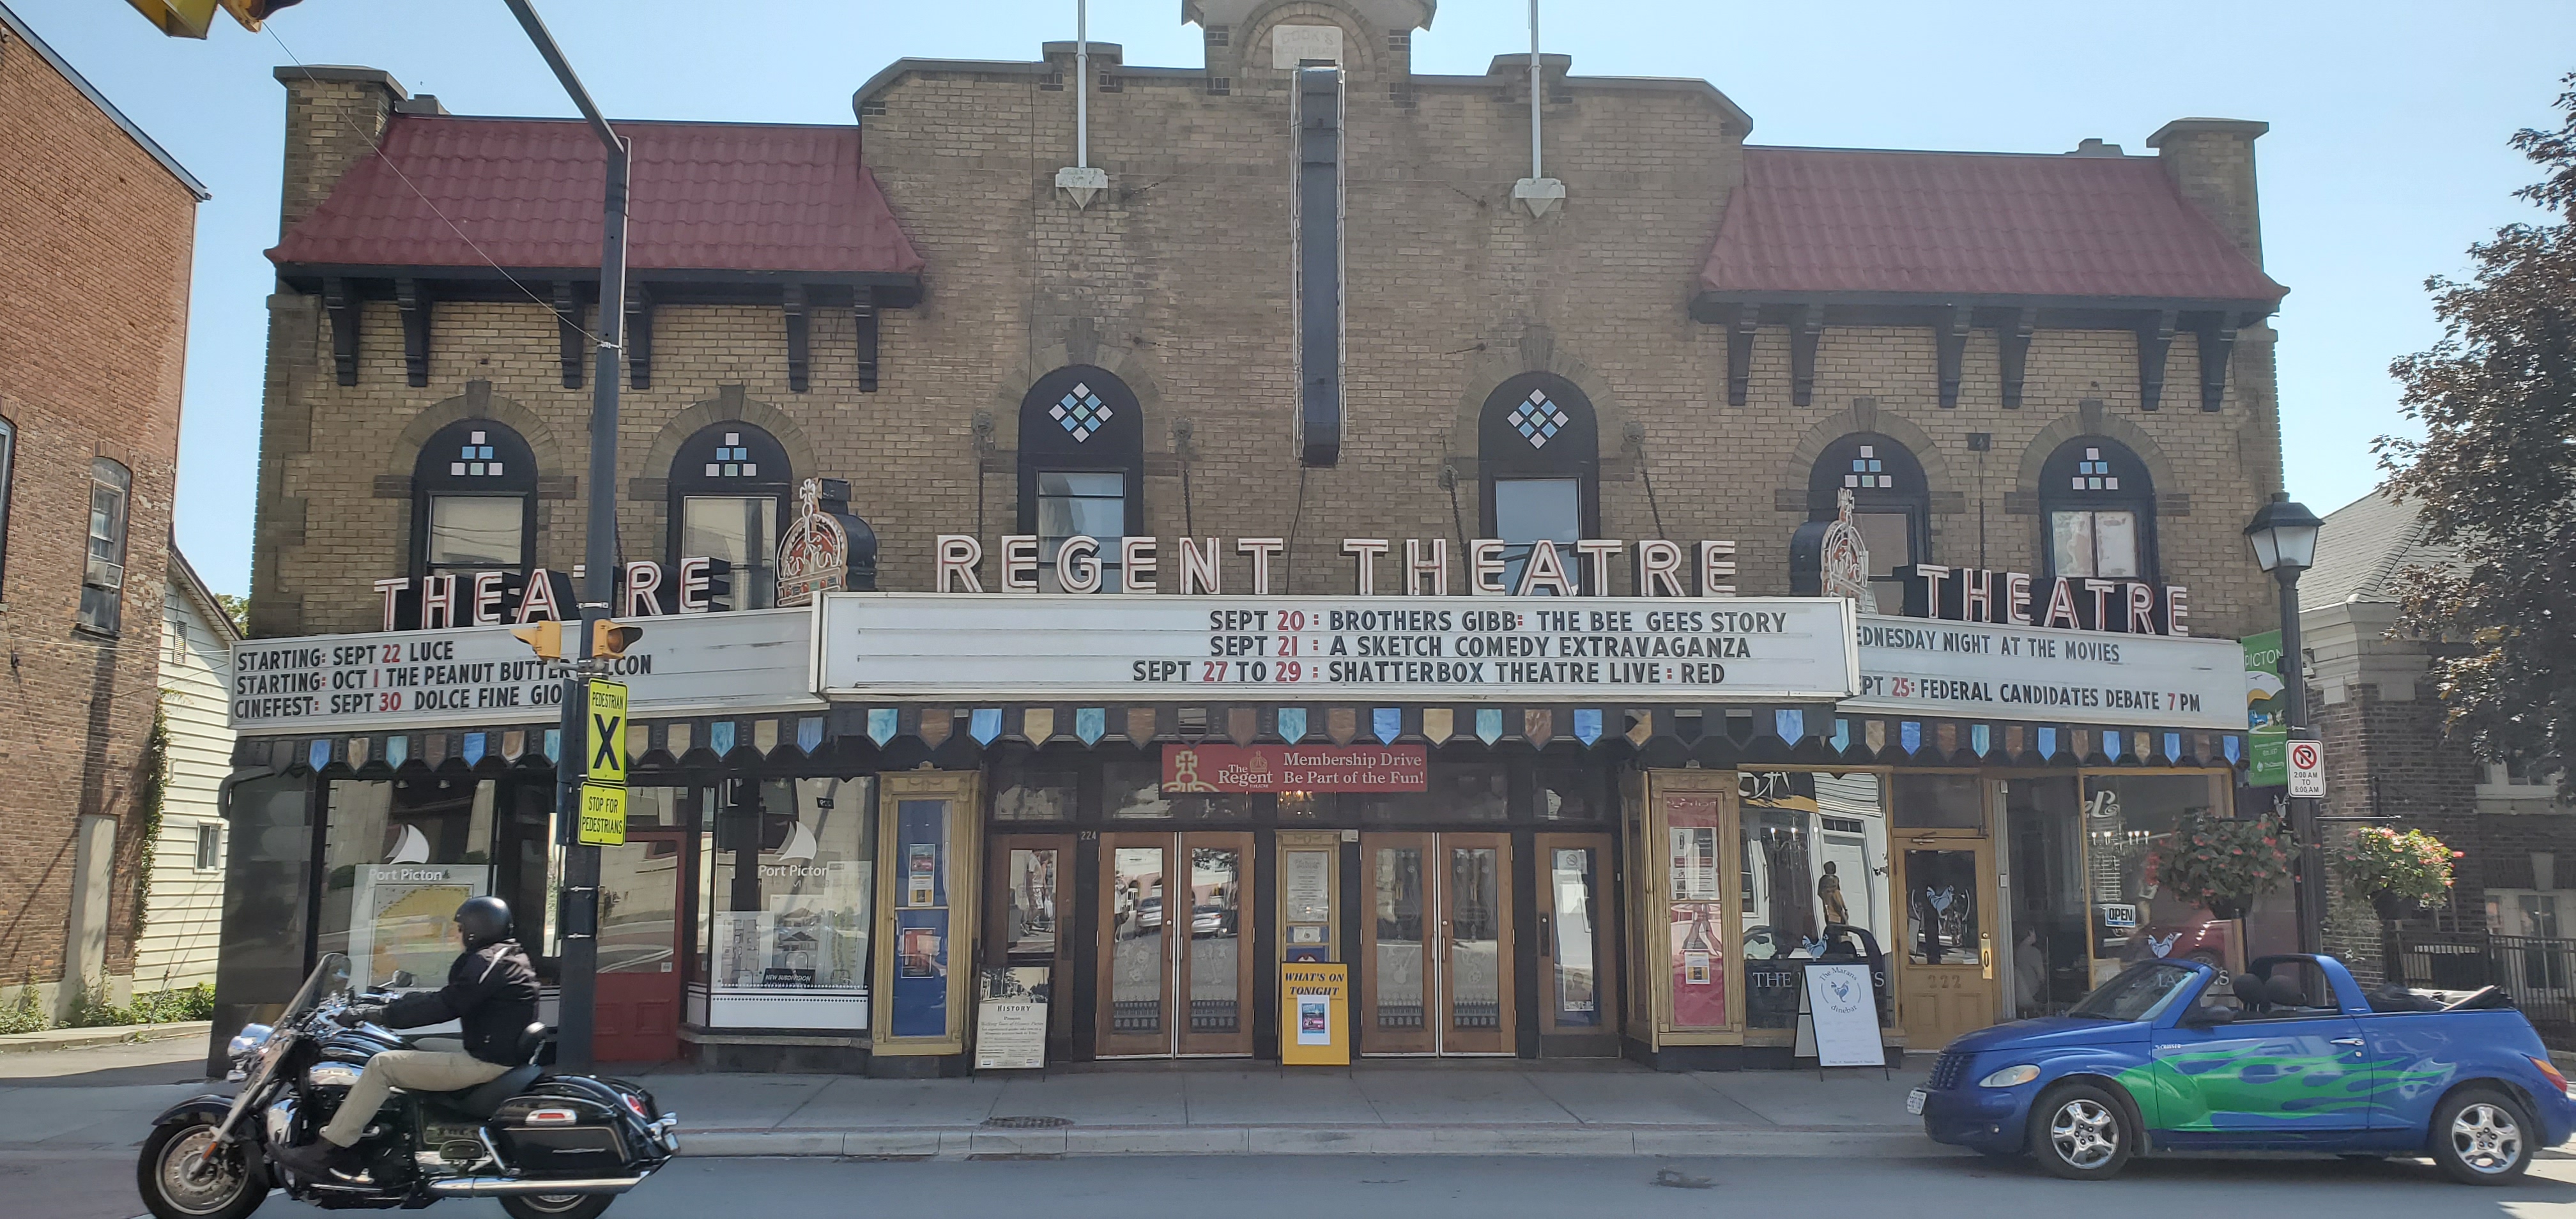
[547, 1146]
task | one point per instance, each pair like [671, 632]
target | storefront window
[2125, 817]
[1023, 791]
[1573, 795]
[399, 856]
[1939, 802]
[790, 899]
[1132, 788]
[1452, 792]
[1696, 914]
[2044, 845]
[1814, 856]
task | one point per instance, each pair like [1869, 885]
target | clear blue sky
[2386, 158]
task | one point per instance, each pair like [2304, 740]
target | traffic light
[609, 639]
[547, 638]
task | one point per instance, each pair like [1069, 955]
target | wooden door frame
[681, 929]
[1106, 1041]
[1507, 1022]
[1650, 880]
[997, 889]
[1237, 1044]
[1983, 845]
[1606, 994]
[1377, 1041]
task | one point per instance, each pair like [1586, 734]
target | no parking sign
[2307, 769]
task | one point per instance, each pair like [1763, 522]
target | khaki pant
[412, 1071]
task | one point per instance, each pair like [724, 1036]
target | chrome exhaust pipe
[506, 1187]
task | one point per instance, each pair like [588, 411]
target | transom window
[1082, 413]
[1079, 503]
[1538, 419]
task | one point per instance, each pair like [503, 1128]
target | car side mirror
[2206, 1017]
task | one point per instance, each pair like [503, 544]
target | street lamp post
[2284, 537]
[579, 907]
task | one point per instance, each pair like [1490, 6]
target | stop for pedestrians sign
[2307, 769]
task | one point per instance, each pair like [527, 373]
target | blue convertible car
[2170, 1057]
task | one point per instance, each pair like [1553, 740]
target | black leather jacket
[491, 991]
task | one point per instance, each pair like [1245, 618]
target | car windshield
[2138, 993]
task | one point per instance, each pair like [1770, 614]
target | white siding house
[186, 913]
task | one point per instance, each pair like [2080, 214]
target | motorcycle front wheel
[179, 1181]
[556, 1206]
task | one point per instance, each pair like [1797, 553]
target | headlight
[247, 1040]
[2010, 1077]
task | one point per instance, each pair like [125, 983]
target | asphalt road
[93, 1186]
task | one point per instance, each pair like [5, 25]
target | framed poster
[402, 923]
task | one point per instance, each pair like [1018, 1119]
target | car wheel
[2080, 1132]
[2482, 1137]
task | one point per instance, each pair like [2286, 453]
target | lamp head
[2284, 535]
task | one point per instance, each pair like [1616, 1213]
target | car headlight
[2010, 1077]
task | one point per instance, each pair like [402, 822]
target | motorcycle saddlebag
[559, 1131]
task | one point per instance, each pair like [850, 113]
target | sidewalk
[1403, 1108]
[104, 1098]
[115, 1034]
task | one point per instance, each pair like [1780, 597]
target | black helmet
[485, 920]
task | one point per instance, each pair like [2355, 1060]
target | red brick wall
[93, 334]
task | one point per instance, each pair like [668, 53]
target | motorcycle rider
[491, 991]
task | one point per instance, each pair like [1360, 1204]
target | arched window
[102, 602]
[2100, 508]
[1082, 467]
[730, 488]
[8, 466]
[1890, 506]
[474, 501]
[1541, 456]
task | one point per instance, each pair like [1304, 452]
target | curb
[121, 1034]
[960, 1143]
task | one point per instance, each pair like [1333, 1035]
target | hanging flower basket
[2221, 863]
[2401, 872]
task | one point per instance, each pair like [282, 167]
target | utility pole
[579, 909]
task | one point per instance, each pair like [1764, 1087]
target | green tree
[2495, 473]
[237, 609]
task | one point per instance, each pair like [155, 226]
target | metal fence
[2540, 974]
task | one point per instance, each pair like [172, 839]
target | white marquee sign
[425, 679]
[1935, 667]
[1424, 649]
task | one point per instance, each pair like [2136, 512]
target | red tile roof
[1810, 221]
[706, 197]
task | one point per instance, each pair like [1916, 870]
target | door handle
[1986, 952]
[2354, 1042]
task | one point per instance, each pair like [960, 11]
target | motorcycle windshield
[330, 977]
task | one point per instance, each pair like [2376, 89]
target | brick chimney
[2212, 162]
[334, 115]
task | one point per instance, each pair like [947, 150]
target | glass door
[1578, 968]
[1175, 978]
[1436, 945]
[1476, 919]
